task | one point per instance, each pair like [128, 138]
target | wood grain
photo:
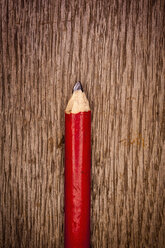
[117, 50]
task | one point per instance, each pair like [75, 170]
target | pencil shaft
[77, 179]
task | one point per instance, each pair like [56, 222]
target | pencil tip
[77, 86]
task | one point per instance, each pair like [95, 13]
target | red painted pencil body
[77, 179]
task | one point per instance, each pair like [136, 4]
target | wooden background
[117, 49]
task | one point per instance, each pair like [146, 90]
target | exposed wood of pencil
[116, 48]
[77, 103]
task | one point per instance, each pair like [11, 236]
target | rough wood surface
[117, 49]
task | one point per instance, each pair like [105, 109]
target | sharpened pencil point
[78, 101]
[77, 86]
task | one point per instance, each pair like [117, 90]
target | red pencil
[77, 170]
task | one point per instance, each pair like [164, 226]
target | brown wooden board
[116, 49]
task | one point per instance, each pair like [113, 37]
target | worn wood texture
[117, 49]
